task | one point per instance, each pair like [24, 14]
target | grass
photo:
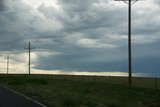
[85, 91]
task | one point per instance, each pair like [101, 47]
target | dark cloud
[77, 6]
[146, 58]
[2, 5]
[149, 65]
[85, 60]
[157, 2]
[88, 36]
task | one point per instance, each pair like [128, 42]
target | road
[9, 98]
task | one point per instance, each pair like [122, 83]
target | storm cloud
[1, 5]
[82, 36]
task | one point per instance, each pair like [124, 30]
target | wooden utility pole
[129, 44]
[7, 63]
[129, 2]
[29, 58]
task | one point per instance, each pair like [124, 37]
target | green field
[86, 91]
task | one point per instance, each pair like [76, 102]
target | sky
[80, 37]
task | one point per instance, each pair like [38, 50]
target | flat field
[86, 91]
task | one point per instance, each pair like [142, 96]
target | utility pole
[7, 63]
[129, 40]
[29, 58]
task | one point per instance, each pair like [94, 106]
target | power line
[75, 26]
[97, 13]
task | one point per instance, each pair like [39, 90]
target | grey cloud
[157, 2]
[86, 28]
[149, 25]
[15, 27]
[78, 5]
[2, 5]
[146, 58]
[88, 36]
[84, 60]
[87, 19]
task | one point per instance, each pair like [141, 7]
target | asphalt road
[9, 98]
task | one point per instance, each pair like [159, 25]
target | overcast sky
[81, 35]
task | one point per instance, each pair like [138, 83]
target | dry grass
[85, 91]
